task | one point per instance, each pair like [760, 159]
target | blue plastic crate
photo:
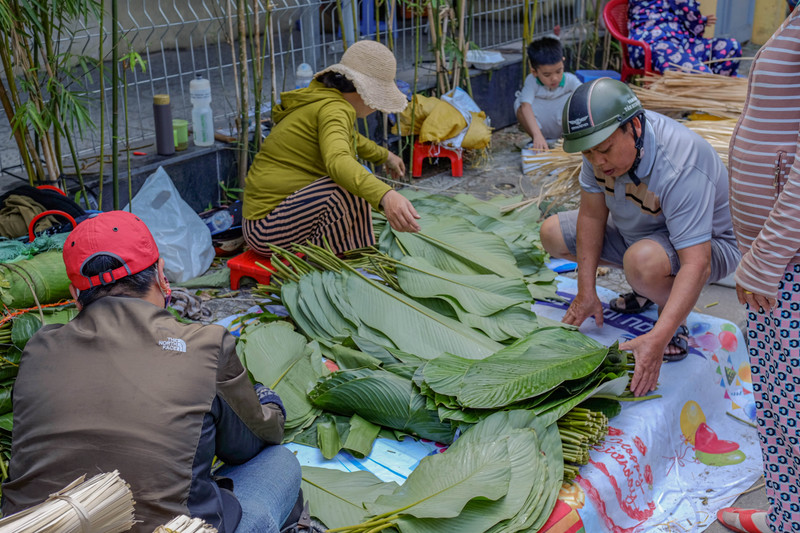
[588, 75]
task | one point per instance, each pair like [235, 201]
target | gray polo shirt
[547, 104]
[683, 190]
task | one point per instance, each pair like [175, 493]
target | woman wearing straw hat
[306, 183]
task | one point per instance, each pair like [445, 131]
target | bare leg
[649, 273]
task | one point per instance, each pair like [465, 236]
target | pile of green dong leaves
[433, 336]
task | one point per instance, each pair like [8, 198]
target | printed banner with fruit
[670, 463]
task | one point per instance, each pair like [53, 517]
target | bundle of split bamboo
[560, 169]
[679, 91]
[184, 524]
[104, 504]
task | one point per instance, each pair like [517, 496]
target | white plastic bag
[181, 235]
[460, 99]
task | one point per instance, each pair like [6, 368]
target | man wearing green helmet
[654, 202]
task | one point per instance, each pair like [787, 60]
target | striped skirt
[318, 212]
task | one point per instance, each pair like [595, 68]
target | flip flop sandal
[681, 341]
[745, 519]
[632, 306]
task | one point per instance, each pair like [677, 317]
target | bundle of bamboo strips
[679, 91]
[184, 524]
[104, 504]
[563, 169]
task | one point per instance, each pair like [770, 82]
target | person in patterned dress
[674, 30]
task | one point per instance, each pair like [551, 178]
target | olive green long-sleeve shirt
[314, 136]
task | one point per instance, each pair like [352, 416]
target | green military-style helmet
[594, 111]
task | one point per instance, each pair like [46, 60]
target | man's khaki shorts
[725, 255]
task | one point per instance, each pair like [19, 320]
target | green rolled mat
[45, 273]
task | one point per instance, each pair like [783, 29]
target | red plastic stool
[244, 265]
[423, 150]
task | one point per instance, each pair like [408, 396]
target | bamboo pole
[101, 66]
[115, 103]
[244, 128]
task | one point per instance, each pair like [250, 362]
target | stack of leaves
[580, 430]
[547, 372]
[459, 239]
[502, 474]
[283, 360]
[519, 228]
[331, 307]
[382, 398]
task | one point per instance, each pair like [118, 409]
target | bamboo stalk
[258, 75]
[679, 91]
[184, 524]
[244, 128]
[101, 67]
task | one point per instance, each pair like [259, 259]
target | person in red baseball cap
[125, 386]
[114, 253]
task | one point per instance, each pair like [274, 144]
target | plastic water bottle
[303, 76]
[202, 116]
[219, 221]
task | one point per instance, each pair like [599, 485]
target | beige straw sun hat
[372, 68]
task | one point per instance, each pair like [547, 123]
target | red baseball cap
[119, 234]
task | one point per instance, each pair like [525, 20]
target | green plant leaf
[454, 244]
[412, 327]
[442, 484]
[361, 437]
[336, 498]
[382, 398]
[281, 359]
[478, 294]
[23, 328]
[328, 440]
[528, 368]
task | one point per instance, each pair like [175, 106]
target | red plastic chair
[615, 15]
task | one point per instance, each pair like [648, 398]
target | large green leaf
[336, 498]
[480, 294]
[541, 500]
[328, 440]
[361, 437]
[456, 245]
[528, 471]
[441, 485]
[413, 327]
[281, 359]
[382, 398]
[528, 368]
[23, 327]
[511, 323]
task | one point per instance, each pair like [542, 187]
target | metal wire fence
[179, 39]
